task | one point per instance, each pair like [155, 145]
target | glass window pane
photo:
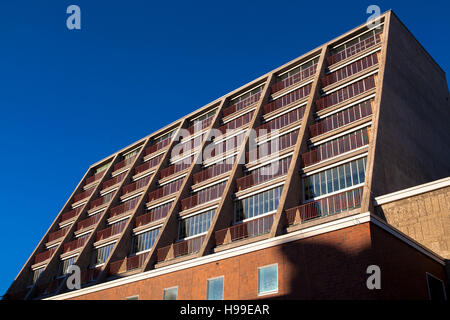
[348, 175]
[268, 279]
[354, 172]
[170, 294]
[329, 182]
[215, 289]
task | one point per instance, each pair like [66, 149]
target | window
[246, 95]
[354, 41]
[195, 225]
[335, 179]
[164, 137]
[257, 204]
[100, 255]
[36, 274]
[215, 289]
[136, 297]
[144, 241]
[131, 154]
[268, 279]
[436, 288]
[170, 293]
[299, 69]
[204, 117]
[65, 264]
[102, 168]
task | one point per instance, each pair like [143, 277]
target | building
[292, 186]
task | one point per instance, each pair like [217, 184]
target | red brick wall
[402, 267]
[327, 266]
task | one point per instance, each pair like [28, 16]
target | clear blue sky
[71, 98]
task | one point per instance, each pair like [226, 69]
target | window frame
[170, 288]
[429, 275]
[259, 278]
[207, 287]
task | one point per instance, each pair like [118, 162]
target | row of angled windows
[335, 179]
[354, 41]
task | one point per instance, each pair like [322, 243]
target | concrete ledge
[413, 191]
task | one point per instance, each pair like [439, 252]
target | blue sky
[71, 98]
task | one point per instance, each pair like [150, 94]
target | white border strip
[414, 191]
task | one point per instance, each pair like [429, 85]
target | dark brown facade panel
[412, 139]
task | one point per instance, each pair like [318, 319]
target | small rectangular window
[215, 289]
[436, 288]
[170, 293]
[136, 297]
[268, 279]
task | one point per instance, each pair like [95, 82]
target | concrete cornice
[413, 191]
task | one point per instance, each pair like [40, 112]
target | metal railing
[128, 264]
[281, 121]
[342, 118]
[86, 223]
[57, 234]
[148, 164]
[166, 172]
[111, 231]
[147, 218]
[82, 195]
[356, 48]
[70, 214]
[75, 244]
[95, 177]
[346, 93]
[336, 147]
[165, 190]
[287, 99]
[114, 180]
[158, 146]
[124, 207]
[326, 206]
[179, 249]
[40, 257]
[211, 172]
[200, 125]
[236, 123]
[124, 163]
[293, 79]
[139, 184]
[101, 201]
[241, 104]
[351, 69]
[257, 177]
[244, 230]
[203, 196]
[270, 148]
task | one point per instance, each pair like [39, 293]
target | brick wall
[327, 266]
[425, 218]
